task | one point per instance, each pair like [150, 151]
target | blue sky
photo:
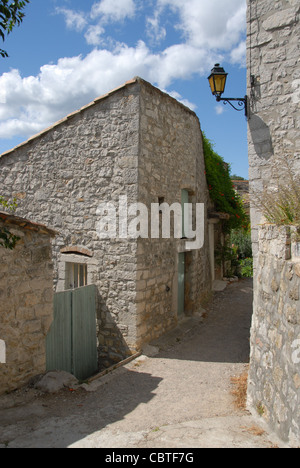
[68, 52]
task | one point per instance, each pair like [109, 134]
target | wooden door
[71, 343]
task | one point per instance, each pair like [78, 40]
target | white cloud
[100, 15]
[219, 110]
[32, 103]
[215, 24]
[154, 30]
[94, 34]
[74, 19]
[183, 101]
[182, 61]
[113, 10]
[212, 31]
[238, 54]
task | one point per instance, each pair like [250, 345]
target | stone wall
[274, 380]
[274, 90]
[59, 179]
[171, 159]
[273, 72]
[26, 302]
[135, 142]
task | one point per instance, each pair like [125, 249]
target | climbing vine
[221, 189]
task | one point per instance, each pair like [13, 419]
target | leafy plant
[7, 239]
[221, 189]
[281, 204]
[246, 267]
[11, 206]
[241, 242]
[11, 15]
[226, 257]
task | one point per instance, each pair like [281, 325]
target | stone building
[26, 298]
[274, 91]
[135, 145]
[273, 63]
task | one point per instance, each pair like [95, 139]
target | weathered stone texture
[273, 51]
[171, 159]
[26, 298]
[274, 367]
[273, 40]
[135, 142]
[62, 175]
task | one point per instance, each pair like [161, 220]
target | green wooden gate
[71, 343]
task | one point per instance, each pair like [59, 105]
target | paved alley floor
[175, 395]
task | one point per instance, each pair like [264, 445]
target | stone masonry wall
[171, 159]
[134, 142]
[273, 73]
[26, 306]
[274, 379]
[59, 179]
[273, 64]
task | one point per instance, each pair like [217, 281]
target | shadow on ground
[58, 421]
[223, 335]
[186, 380]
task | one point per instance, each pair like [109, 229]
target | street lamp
[217, 82]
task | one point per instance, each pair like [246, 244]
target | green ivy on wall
[221, 189]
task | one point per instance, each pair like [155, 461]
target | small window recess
[76, 275]
[76, 260]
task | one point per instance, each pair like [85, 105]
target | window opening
[77, 275]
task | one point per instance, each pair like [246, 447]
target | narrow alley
[177, 394]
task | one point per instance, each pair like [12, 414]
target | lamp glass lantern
[217, 81]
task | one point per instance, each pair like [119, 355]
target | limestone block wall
[274, 379]
[171, 159]
[273, 70]
[59, 179]
[26, 304]
[135, 143]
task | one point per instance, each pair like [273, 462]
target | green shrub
[246, 267]
[221, 189]
[281, 204]
[7, 239]
[241, 242]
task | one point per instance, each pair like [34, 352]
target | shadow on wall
[261, 138]
[112, 347]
